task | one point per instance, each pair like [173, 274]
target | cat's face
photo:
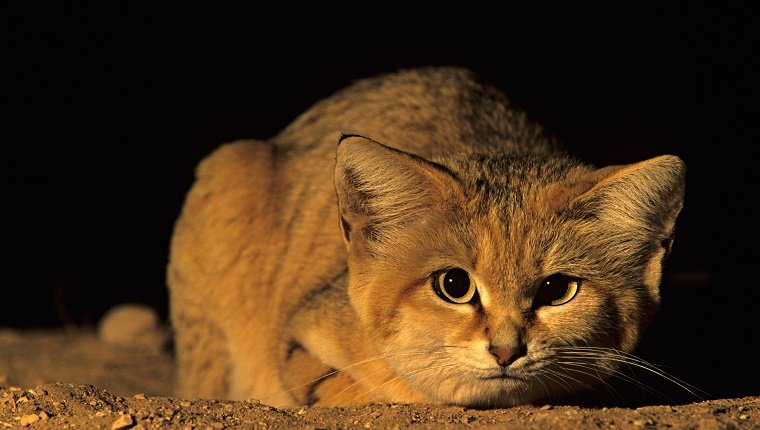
[496, 281]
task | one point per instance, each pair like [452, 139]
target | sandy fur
[300, 267]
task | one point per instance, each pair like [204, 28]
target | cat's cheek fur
[432, 347]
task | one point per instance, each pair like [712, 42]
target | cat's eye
[556, 290]
[454, 285]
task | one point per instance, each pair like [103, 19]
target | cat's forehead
[507, 180]
[511, 224]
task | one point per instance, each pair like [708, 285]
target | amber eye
[556, 290]
[454, 285]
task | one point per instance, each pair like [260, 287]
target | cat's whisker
[620, 375]
[572, 367]
[611, 354]
[558, 379]
[428, 351]
[538, 378]
[408, 376]
[567, 376]
[396, 378]
[342, 369]
[356, 382]
[614, 351]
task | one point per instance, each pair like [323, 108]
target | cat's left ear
[643, 197]
[382, 190]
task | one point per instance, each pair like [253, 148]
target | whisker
[611, 354]
[558, 379]
[333, 372]
[589, 387]
[609, 372]
[359, 381]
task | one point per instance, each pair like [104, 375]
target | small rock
[123, 422]
[546, 407]
[743, 417]
[44, 416]
[301, 411]
[132, 326]
[29, 419]
[139, 396]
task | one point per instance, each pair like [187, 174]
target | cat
[414, 238]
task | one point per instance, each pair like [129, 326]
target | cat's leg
[201, 357]
[213, 246]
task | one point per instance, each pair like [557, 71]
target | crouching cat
[413, 238]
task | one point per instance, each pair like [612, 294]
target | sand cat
[413, 238]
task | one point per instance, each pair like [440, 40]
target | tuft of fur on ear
[643, 199]
[382, 190]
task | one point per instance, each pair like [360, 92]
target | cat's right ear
[382, 190]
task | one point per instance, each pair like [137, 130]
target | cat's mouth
[503, 374]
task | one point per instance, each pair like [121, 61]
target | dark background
[107, 107]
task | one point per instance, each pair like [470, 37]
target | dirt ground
[42, 374]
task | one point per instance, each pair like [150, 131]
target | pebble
[123, 422]
[546, 407]
[131, 326]
[29, 419]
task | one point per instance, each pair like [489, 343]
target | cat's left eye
[454, 285]
[556, 290]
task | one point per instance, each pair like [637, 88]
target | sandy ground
[43, 375]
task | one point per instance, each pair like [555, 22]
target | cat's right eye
[555, 290]
[454, 285]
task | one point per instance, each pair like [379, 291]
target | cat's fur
[275, 283]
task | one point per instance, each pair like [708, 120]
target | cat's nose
[506, 355]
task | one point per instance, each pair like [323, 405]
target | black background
[107, 107]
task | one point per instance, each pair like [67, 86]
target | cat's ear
[382, 190]
[644, 198]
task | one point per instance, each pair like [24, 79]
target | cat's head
[494, 280]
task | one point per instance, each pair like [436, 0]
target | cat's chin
[481, 391]
[494, 392]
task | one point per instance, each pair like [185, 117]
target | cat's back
[430, 112]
